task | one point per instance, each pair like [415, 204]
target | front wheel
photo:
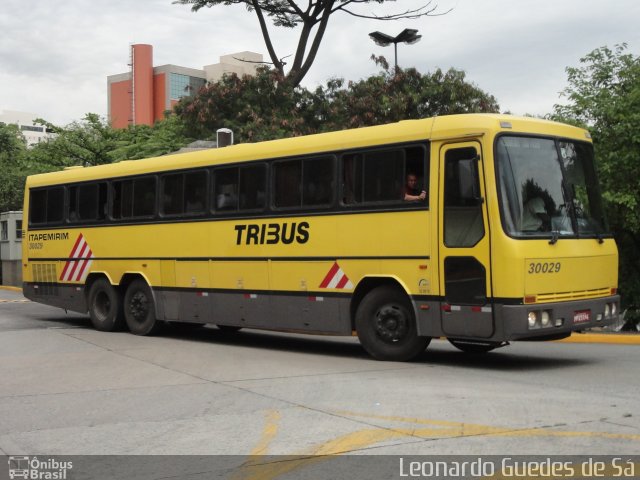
[386, 325]
[139, 309]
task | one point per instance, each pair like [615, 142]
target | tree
[604, 96]
[261, 107]
[313, 19]
[142, 141]
[12, 151]
[255, 107]
[85, 143]
[402, 94]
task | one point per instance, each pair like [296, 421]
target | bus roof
[436, 128]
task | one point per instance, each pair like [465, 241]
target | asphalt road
[67, 389]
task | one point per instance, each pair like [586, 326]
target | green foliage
[91, 141]
[604, 96]
[142, 141]
[12, 151]
[259, 107]
[265, 107]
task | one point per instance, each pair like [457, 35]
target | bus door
[464, 261]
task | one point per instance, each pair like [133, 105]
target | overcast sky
[55, 55]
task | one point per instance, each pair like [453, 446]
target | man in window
[411, 191]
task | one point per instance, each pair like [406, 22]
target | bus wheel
[139, 310]
[386, 325]
[105, 306]
[229, 328]
[468, 346]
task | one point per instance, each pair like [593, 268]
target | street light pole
[408, 36]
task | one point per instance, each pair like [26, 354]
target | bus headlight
[533, 319]
[607, 311]
[614, 309]
[545, 318]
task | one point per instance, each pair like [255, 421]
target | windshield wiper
[554, 237]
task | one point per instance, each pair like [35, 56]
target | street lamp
[408, 36]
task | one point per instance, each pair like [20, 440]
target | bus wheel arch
[385, 321]
[104, 303]
[365, 286]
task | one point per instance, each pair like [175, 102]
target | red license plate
[582, 316]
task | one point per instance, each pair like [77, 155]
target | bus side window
[253, 182]
[73, 215]
[417, 163]
[172, 193]
[287, 183]
[91, 202]
[195, 192]
[352, 179]
[144, 197]
[317, 181]
[225, 189]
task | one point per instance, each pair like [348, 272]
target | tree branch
[267, 39]
[424, 11]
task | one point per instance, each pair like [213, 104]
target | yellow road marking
[254, 470]
[15, 301]
[10, 288]
[619, 338]
[268, 433]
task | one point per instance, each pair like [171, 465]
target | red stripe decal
[343, 281]
[66, 265]
[329, 277]
[75, 264]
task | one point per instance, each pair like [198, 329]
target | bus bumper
[517, 321]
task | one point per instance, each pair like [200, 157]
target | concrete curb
[612, 338]
[12, 289]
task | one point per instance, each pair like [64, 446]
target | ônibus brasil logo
[22, 466]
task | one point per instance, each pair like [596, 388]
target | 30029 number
[544, 267]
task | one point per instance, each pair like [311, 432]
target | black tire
[229, 328]
[386, 325]
[105, 306]
[139, 309]
[468, 346]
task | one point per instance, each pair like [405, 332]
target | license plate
[582, 316]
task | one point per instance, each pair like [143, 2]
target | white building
[25, 121]
[11, 248]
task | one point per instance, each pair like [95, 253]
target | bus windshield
[548, 188]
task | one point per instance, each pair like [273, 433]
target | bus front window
[548, 188]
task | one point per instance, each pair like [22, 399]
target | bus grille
[44, 274]
[559, 297]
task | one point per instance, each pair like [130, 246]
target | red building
[142, 95]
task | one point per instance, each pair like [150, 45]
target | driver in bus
[534, 216]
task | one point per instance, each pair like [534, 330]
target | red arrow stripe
[66, 265]
[329, 277]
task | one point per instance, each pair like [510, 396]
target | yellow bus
[480, 228]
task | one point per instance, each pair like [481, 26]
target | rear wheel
[469, 346]
[139, 309]
[105, 306]
[386, 325]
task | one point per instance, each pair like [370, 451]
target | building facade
[26, 122]
[142, 95]
[11, 248]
